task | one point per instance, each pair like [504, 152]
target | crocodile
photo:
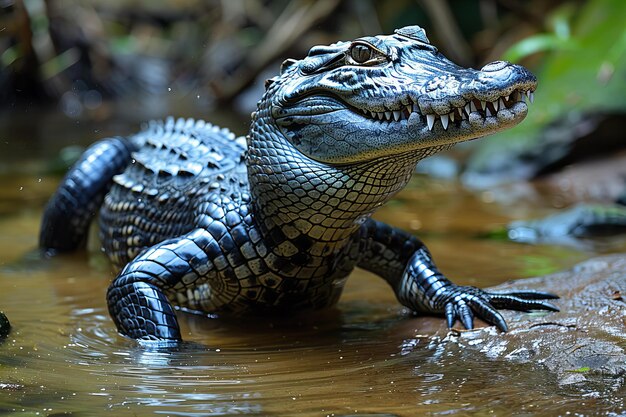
[196, 219]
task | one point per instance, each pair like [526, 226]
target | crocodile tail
[69, 212]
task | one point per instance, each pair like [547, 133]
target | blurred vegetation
[81, 53]
[582, 90]
[87, 56]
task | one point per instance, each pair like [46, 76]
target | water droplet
[92, 99]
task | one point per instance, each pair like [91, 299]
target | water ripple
[65, 356]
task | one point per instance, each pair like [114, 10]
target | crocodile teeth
[430, 119]
[475, 105]
[444, 121]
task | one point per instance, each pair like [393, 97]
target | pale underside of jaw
[484, 108]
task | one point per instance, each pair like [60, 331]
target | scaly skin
[277, 222]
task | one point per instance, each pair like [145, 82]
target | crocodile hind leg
[137, 297]
[406, 264]
[67, 216]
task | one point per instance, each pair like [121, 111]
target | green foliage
[583, 70]
[558, 39]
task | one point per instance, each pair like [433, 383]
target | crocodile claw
[465, 303]
[530, 295]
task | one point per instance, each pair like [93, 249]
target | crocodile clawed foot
[465, 303]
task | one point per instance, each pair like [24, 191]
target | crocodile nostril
[495, 66]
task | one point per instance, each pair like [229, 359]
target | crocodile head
[387, 95]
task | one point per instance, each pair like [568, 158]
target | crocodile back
[176, 165]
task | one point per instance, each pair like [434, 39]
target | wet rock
[580, 221]
[5, 326]
[439, 166]
[583, 344]
[622, 199]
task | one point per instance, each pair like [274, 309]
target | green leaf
[537, 43]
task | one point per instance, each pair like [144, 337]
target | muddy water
[367, 357]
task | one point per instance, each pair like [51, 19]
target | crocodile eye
[360, 53]
[363, 53]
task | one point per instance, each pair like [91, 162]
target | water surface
[368, 356]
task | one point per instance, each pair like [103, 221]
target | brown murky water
[367, 357]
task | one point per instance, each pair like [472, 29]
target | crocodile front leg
[137, 297]
[405, 262]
